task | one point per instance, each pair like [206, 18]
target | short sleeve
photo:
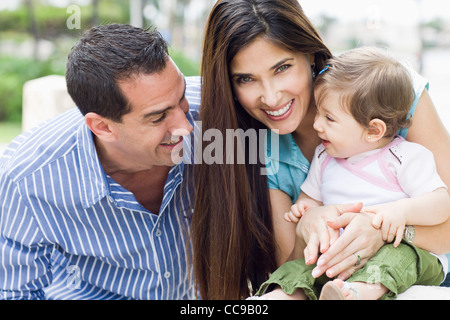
[312, 183]
[286, 167]
[417, 172]
[272, 177]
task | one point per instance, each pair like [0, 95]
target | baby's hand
[390, 222]
[297, 210]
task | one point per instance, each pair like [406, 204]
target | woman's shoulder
[419, 84]
[282, 148]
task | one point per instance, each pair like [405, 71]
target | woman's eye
[283, 68]
[244, 80]
[329, 118]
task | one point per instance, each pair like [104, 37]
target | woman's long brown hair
[232, 233]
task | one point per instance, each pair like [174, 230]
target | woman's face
[272, 84]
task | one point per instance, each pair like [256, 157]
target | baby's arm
[417, 176]
[303, 203]
[310, 195]
[431, 208]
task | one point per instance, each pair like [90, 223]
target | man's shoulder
[193, 82]
[34, 149]
[193, 93]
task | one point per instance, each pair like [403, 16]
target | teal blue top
[287, 170]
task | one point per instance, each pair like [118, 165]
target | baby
[363, 98]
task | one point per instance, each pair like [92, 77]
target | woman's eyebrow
[274, 67]
[280, 63]
[241, 75]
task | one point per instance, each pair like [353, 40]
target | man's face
[154, 129]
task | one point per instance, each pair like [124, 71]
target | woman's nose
[270, 95]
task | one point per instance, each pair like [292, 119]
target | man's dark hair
[103, 56]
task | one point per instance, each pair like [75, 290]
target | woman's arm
[360, 238]
[314, 233]
[311, 235]
[284, 231]
[429, 209]
[428, 130]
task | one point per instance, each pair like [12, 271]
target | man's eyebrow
[159, 112]
[156, 113]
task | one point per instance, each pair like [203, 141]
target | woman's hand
[359, 242]
[314, 232]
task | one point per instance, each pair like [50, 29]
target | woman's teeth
[280, 112]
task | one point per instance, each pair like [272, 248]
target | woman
[259, 60]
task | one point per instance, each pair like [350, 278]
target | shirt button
[167, 275]
[158, 233]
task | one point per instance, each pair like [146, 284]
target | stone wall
[44, 98]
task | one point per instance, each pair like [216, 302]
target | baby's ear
[376, 130]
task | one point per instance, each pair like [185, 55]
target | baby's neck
[383, 142]
[372, 146]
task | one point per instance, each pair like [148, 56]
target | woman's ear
[100, 126]
[376, 130]
[312, 59]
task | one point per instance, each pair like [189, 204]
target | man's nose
[181, 126]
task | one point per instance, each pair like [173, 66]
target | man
[92, 205]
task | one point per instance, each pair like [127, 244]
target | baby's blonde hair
[372, 85]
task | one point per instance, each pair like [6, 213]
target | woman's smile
[272, 84]
[280, 113]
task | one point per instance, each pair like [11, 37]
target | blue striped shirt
[69, 231]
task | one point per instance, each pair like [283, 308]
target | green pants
[395, 268]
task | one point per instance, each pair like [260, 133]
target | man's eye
[160, 119]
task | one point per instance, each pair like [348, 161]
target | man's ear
[376, 130]
[100, 126]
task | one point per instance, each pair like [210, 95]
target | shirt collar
[93, 181]
[288, 151]
[92, 178]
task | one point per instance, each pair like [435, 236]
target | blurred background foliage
[35, 37]
[35, 41]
